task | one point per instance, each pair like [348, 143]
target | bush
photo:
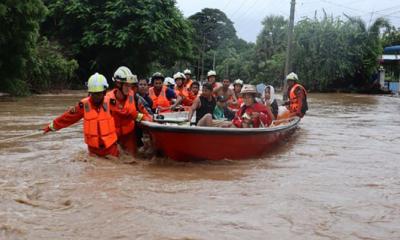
[50, 69]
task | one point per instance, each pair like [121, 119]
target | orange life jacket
[124, 125]
[190, 99]
[294, 101]
[237, 105]
[161, 100]
[98, 126]
[181, 92]
[188, 84]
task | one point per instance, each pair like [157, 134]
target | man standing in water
[123, 108]
[297, 104]
[98, 124]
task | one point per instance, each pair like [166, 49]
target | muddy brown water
[337, 178]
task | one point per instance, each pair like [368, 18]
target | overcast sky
[248, 14]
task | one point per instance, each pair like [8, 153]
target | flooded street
[337, 178]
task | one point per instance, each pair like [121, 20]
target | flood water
[337, 178]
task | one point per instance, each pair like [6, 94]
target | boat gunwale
[217, 130]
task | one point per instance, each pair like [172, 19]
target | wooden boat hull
[186, 143]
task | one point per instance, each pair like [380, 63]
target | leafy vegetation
[58, 44]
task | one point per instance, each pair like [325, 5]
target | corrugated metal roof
[392, 49]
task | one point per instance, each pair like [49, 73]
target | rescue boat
[188, 143]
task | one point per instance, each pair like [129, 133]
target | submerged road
[337, 178]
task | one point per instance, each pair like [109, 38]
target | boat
[183, 142]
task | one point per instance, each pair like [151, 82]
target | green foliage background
[57, 44]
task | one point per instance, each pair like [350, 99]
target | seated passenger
[225, 91]
[169, 82]
[221, 111]
[162, 96]
[268, 97]
[237, 87]
[252, 114]
[192, 95]
[203, 105]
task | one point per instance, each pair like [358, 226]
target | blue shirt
[170, 93]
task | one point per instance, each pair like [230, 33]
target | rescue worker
[98, 124]
[169, 82]
[180, 89]
[252, 114]
[224, 90]
[161, 95]
[193, 93]
[212, 78]
[188, 78]
[203, 105]
[297, 104]
[123, 108]
[237, 88]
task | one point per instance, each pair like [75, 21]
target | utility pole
[214, 61]
[289, 48]
[202, 57]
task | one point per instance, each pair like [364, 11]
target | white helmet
[124, 74]
[179, 75]
[211, 73]
[238, 82]
[187, 71]
[292, 76]
[97, 83]
[169, 81]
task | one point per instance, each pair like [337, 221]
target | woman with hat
[252, 114]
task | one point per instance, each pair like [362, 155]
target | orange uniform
[161, 99]
[125, 115]
[188, 84]
[298, 100]
[184, 93]
[188, 101]
[98, 126]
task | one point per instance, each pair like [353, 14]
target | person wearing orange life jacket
[297, 104]
[211, 79]
[237, 88]
[98, 124]
[180, 89]
[162, 95]
[193, 93]
[123, 108]
[188, 79]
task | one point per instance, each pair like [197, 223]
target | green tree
[371, 47]
[213, 29]
[270, 48]
[19, 27]
[104, 34]
[50, 69]
[391, 37]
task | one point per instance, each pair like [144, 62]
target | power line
[237, 10]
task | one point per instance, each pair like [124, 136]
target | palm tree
[371, 47]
